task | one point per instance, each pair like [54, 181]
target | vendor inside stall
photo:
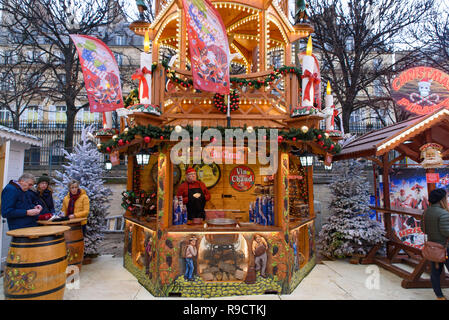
[194, 195]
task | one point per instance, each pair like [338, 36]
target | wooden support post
[281, 192]
[386, 191]
[263, 40]
[164, 190]
[309, 171]
[183, 45]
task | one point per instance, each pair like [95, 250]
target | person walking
[43, 195]
[436, 226]
[17, 207]
[76, 203]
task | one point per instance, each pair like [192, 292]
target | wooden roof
[415, 131]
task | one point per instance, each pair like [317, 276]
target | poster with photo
[408, 189]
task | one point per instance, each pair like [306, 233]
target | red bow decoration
[140, 75]
[334, 115]
[313, 80]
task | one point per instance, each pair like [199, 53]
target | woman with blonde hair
[436, 226]
[76, 203]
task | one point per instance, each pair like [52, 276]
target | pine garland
[151, 132]
[219, 102]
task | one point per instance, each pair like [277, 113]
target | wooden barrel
[75, 245]
[74, 240]
[36, 264]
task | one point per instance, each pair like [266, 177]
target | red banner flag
[101, 74]
[209, 47]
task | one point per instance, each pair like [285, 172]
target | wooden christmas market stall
[423, 139]
[258, 233]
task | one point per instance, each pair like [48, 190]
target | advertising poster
[408, 189]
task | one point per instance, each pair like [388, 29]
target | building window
[119, 40]
[61, 117]
[33, 114]
[5, 115]
[118, 58]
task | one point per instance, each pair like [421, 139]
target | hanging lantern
[143, 157]
[306, 159]
[431, 153]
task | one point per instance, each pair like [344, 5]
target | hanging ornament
[431, 153]
[304, 129]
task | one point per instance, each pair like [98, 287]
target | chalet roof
[381, 141]
[19, 136]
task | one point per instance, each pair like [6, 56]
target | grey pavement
[106, 279]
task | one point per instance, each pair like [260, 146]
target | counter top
[200, 228]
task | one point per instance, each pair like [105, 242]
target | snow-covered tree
[85, 166]
[349, 230]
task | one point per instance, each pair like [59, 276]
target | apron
[195, 206]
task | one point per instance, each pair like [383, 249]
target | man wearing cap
[194, 195]
[419, 201]
[436, 226]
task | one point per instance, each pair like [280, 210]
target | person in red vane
[194, 195]
[418, 201]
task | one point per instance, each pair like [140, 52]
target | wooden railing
[278, 98]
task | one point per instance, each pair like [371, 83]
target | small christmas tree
[85, 166]
[349, 230]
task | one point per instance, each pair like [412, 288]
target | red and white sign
[432, 177]
[242, 178]
[421, 90]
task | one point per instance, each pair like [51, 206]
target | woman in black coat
[43, 195]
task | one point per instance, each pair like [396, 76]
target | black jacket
[46, 200]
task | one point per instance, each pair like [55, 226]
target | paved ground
[106, 279]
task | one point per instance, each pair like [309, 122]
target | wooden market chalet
[262, 97]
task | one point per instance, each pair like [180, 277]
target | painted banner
[421, 90]
[209, 47]
[408, 189]
[101, 74]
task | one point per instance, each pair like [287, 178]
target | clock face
[209, 174]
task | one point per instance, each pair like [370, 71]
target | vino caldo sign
[421, 90]
[241, 178]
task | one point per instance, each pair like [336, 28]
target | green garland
[152, 132]
[219, 102]
[257, 84]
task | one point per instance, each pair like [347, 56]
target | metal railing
[53, 132]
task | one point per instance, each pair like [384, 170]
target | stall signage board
[421, 90]
[241, 178]
[225, 155]
[433, 177]
[115, 158]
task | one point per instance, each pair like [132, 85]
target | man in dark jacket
[436, 226]
[16, 206]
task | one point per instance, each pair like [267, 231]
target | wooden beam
[375, 160]
[398, 158]
[408, 152]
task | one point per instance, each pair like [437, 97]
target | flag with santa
[209, 47]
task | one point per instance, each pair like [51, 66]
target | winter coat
[436, 224]
[45, 200]
[81, 209]
[15, 203]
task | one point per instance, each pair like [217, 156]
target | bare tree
[432, 39]
[355, 39]
[45, 25]
[21, 79]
